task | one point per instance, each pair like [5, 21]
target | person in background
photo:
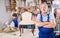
[15, 20]
[57, 35]
[38, 8]
[32, 10]
[34, 13]
[22, 10]
[55, 13]
[45, 22]
[12, 24]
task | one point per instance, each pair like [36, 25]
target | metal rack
[57, 29]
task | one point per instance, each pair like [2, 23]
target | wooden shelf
[13, 4]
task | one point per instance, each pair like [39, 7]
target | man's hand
[47, 26]
[51, 24]
[42, 23]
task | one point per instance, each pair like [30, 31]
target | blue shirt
[51, 17]
[46, 32]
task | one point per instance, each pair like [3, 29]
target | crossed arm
[50, 24]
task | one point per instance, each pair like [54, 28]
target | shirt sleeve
[52, 16]
[18, 19]
[38, 16]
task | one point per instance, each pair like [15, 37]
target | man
[22, 10]
[45, 22]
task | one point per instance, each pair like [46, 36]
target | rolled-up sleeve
[52, 16]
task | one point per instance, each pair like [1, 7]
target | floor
[27, 34]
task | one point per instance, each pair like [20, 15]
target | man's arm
[39, 23]
[50, 24]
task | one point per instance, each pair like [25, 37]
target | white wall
[4, 16]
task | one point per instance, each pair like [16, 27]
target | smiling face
[31, 9]
[22, 10]
[43, 8]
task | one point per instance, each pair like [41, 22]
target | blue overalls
[46, 32]
[16, 22]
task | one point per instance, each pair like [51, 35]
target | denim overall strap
[48, 19]
[41, 18]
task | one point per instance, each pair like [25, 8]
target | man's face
[43, 8]
[22, 10]
[31, 9]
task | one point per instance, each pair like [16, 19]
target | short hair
[44, 5]
[14, 14]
